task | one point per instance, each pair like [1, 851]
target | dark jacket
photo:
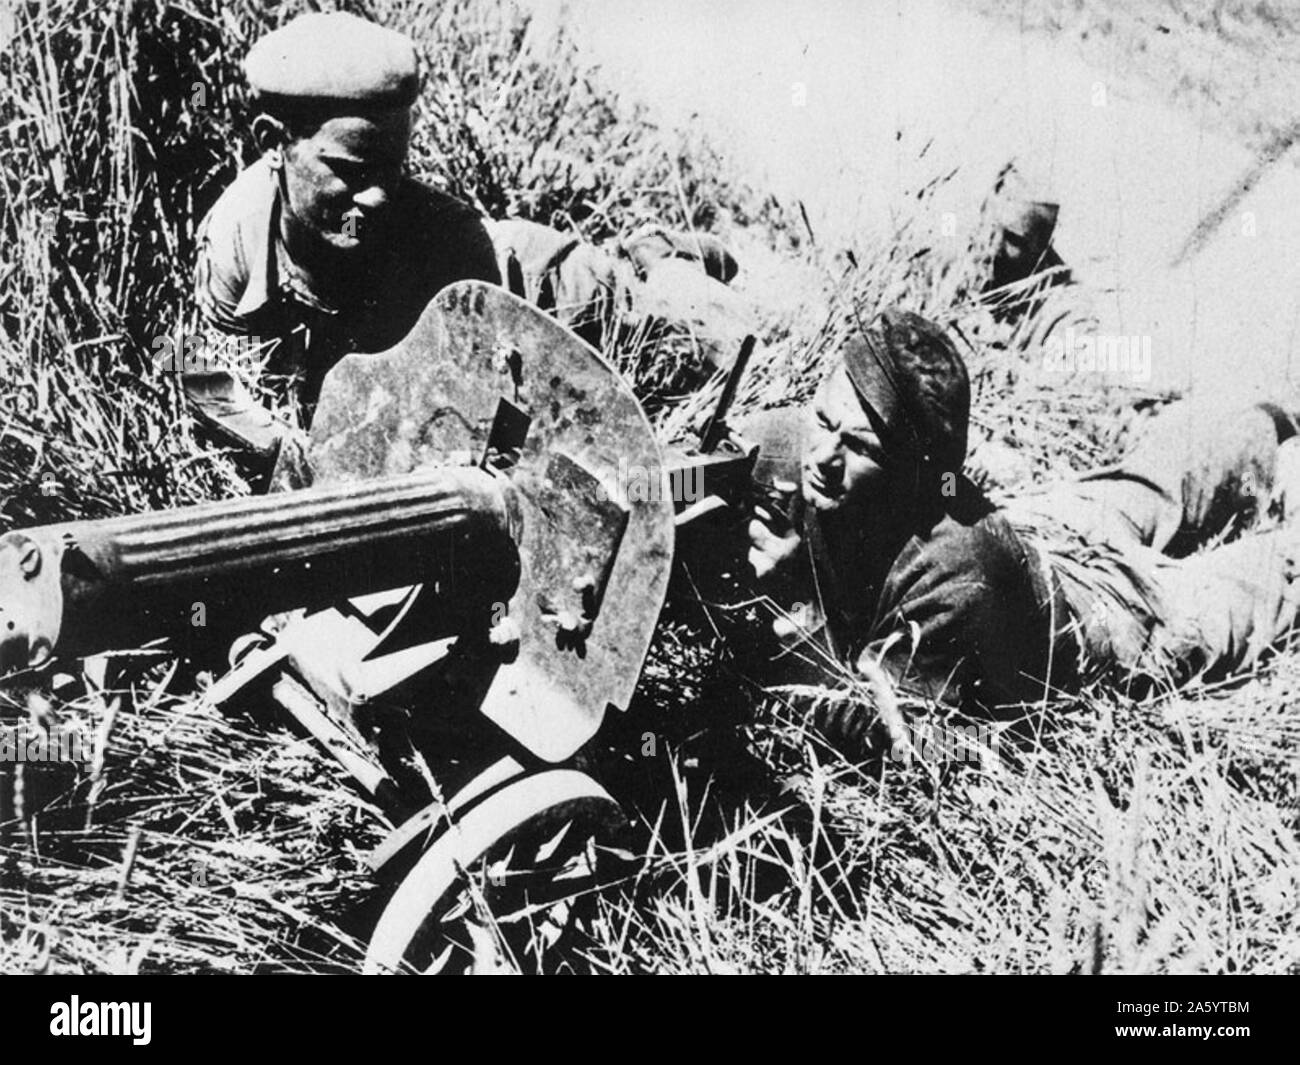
[246, 283]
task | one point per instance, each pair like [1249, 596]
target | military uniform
[962, 612]
[248, 283]
[987, 609]
[1167, 559]
[962, 615]
[1119, 574]
[584, 287]
[656, 277]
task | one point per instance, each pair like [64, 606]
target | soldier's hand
[773, 544]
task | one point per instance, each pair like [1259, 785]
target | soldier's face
[1017, 257]
[339, 181]
[843, 464]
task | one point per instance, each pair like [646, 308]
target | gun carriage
[467, 481]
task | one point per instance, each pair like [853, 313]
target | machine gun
[467, 480]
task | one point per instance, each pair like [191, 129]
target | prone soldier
[656, 276]
[920, 580]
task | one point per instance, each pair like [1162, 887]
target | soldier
[581, 285]
[1024, 247]
[655, 277]
[921, 579]
[324, 246]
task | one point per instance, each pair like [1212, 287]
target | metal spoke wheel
[506, 885]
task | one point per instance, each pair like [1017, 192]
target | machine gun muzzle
[90, 586]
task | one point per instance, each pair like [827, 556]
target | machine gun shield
[595, 557]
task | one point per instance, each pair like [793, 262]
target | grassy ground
[1155, 837]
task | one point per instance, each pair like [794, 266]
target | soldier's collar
[271, 270]
[294, 282]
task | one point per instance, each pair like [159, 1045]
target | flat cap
[1034, 221]
[335, 57]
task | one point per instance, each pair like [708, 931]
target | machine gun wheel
[514, 867]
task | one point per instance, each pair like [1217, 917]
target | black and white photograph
[561, 487]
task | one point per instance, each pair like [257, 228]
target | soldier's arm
[213, 382]
[479, 256]
[959, 623]
[451, 241]
[221, 402]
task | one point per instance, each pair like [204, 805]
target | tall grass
[1117, 837]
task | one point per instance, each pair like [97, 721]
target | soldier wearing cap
[910, 566]
[1024, 245]
[921, 580]
[324, 246]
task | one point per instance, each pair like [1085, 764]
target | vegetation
[1118, 837]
